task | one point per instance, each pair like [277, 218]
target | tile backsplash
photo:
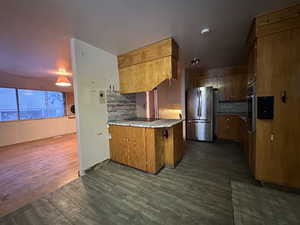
[120, 106]
[232, 107]
[229, 107]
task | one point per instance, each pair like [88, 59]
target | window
[55, 104]
[30, 104]
[8, 104]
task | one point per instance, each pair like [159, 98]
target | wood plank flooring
[30, 170]
[255, 205]
[198, 191]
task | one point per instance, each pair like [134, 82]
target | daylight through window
[26, 104]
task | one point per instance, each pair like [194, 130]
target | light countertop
[161, 123]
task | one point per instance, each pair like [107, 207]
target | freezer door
[200, 103]
[192, 103]
[199, 130]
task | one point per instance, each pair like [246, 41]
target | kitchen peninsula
[146, 144]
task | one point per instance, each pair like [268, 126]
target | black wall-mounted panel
[265, 107]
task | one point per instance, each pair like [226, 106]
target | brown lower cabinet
[147, 149]
[251, 151]
[235, 128]
[228, 127]
[247, 140]
[173, 146]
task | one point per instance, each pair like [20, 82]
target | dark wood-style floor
[198, 191]
[30, 170]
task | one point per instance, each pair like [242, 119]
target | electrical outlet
[102, 97]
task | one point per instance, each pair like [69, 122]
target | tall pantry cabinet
[277, 154]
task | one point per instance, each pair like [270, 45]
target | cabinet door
[238, 87]
[136, 148]
[146, 76]
[291, 110]
[233, 87]
[207, 82]
[228, 127]
[276, 141]
[173, 146]
[252, 65]
[118, 144]
[223, 88]
[252, 150]
[155, 149]
[178, 142]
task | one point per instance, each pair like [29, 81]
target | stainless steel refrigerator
[200, 114]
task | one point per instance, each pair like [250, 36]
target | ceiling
[35, 34]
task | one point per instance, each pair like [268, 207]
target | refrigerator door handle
[199, 103]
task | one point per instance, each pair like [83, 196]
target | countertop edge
[128, 124]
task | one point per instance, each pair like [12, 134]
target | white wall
[93, 70]
[141, 104]
[171, 97]
[13, 132]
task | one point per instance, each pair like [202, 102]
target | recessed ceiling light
[205, 30]
[195, 61]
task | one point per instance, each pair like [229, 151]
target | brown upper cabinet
[231, 82]
[233, 87]
[144, 69]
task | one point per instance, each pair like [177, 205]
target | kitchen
[147, 143]
[242, 104]
[235, 103]
[166, 137]
[220, 103]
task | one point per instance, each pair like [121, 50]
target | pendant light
[63, 80]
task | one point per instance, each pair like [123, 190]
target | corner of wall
[95, 71]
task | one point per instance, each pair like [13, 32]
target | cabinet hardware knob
[166, 134]
[283, 96]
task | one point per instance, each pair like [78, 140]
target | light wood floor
[30, 170]
[197, 192]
